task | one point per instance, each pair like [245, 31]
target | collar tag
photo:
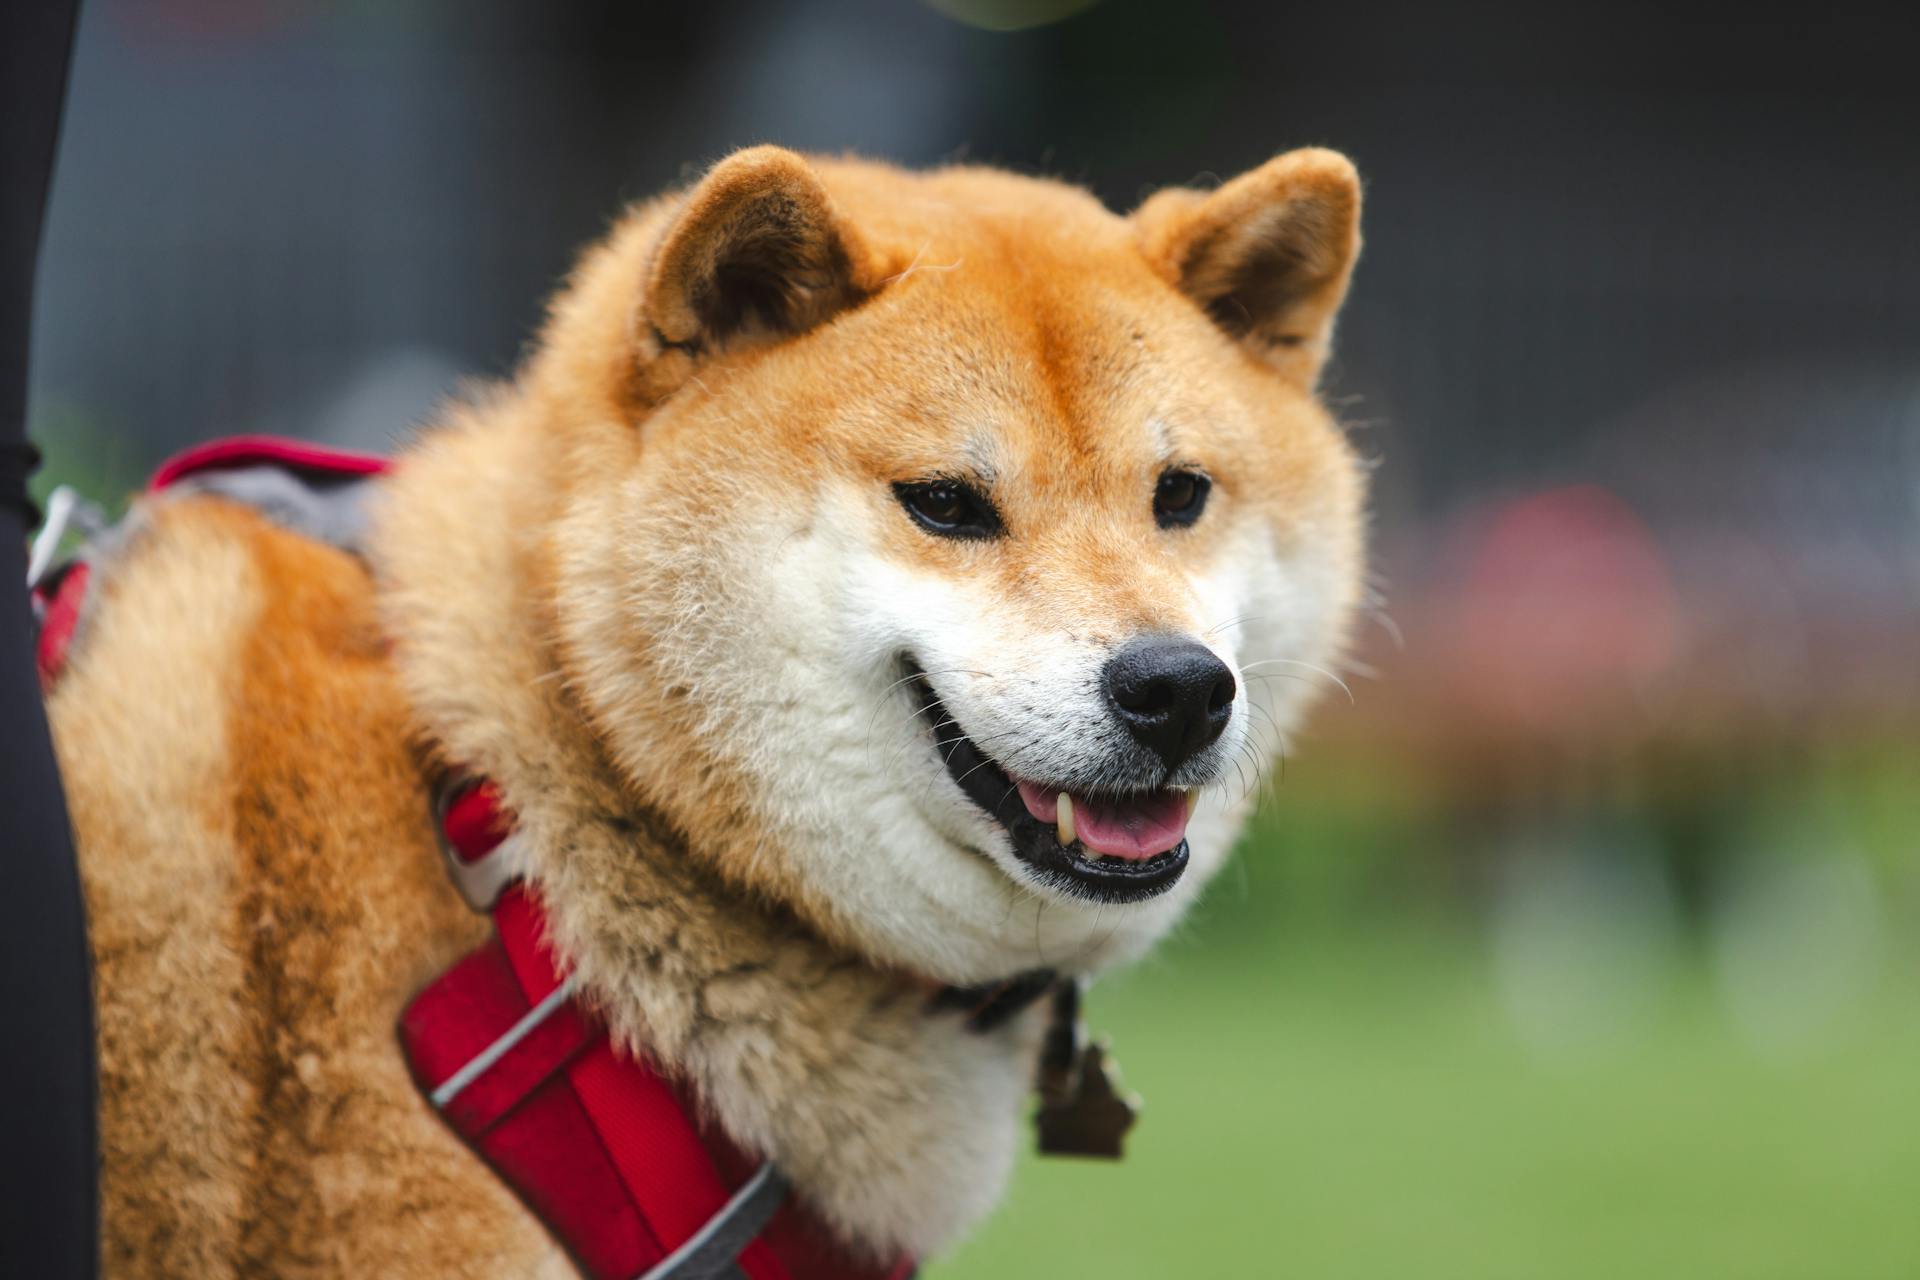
[1083, 1110]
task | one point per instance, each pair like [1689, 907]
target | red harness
[624, 1169]
[610, 1154]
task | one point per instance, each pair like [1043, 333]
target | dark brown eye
[1180, 497]
[950, 508]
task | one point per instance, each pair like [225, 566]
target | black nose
[1171, 693]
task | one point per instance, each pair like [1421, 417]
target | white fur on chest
[911, 1144]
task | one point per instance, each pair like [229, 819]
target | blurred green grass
[1359, 1109]
[92, 454]
[1335, 1088]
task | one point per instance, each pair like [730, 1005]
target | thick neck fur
[896, 1125]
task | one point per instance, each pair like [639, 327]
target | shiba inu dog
[864, 588]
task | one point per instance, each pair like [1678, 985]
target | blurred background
[1579, 941]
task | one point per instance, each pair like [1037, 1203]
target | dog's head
[947, 557]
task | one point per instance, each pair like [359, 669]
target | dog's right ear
[1267, 256]
[755, 252]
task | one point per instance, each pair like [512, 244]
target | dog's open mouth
[1112, 846]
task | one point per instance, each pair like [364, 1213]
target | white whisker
[1295, 662]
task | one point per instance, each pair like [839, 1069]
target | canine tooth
[1064, 819]
[1193, 800]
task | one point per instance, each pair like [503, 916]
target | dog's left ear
[1268, 255]
[756, 251]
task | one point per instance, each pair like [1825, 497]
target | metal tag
[1082, 1109]
[1095, 1119]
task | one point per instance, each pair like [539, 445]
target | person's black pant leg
[48, 1139]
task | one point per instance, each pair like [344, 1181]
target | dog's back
[264, 895]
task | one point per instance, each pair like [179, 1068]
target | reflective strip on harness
[712, 1250]
[450, 1088]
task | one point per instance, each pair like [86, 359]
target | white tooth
[1065, 819]
[1193, 801]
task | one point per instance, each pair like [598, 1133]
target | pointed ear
[755, 251]
[1267, 255]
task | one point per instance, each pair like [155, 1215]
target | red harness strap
[58, 607]
[618, 1162]
[230, 453]
[58, 595]
[602, 1147]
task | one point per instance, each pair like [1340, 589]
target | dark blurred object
[47, 1125]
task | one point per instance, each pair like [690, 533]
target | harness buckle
[66, 511]
[481, 866]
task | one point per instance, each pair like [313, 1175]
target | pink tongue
[1136, 828]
